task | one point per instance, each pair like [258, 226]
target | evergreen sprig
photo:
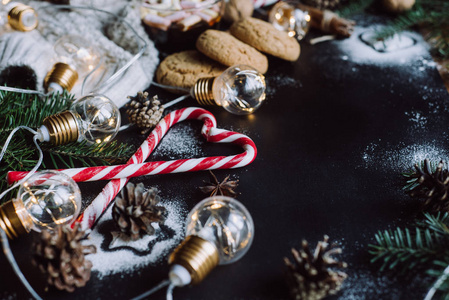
[30, 110]
[404, 249]
[424, 247]
[432, 15]
[354, 7]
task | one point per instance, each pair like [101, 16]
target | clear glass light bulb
[286, 17]
[240, 90]
[17, 16]
[225, 222]
[45, 200]
[219, 230]
[75, 58]
[93, 118]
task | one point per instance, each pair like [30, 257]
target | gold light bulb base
[202, 91]
[197, 255]
[10, 222]
[63, 75]
[62, 128]
[16, 15]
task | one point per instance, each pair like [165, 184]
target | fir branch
[86, 154]
[432, 15]
[405, 250]
[354, 7]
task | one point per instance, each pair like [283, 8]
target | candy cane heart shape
[212, 134]
[113, 187]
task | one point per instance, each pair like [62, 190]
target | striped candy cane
[163, 167]
[209, 131]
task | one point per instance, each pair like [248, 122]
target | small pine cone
[135, 209]
[309, 276]
[432, 186]
[143, 112]
[60, 256]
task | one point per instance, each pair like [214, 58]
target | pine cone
[135, 209]
[309, 277]
[143, 112]
[433, 186]
[60, 255]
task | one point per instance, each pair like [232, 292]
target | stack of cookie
[218, 50]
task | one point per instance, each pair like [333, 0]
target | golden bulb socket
[63, 75]
[202, 91]
[10, 222]
[16, 15]
[197, 255]
[62, 128]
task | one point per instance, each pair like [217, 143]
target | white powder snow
[123, 257]
[181, 141]
[400, 50]
[402, 159]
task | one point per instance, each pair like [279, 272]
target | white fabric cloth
[114, 40]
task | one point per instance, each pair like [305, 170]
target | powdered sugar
[181, 141]
[122, 257]
[402, 159]
[401, 50]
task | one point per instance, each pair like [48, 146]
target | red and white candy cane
[215, 135]
[209, 131]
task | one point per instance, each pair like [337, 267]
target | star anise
[224, 188]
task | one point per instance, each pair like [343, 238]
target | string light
[75, 58]
[17, 16]
[240, 90]
[92, 118]
[46, 199]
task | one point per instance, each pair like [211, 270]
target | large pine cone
[145, 113]
[135, 209]
[60, 255]
[309, 276]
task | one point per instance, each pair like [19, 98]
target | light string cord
[10, 256]
[4, 239]
[437, 284]
[161, 285]
[141, 41]
[39, 161]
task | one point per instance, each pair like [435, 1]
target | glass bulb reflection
[47, 199]
[77, 52]
[98, 118]
[240, 89]
[226, 223]
[286, 17]
[75, 58]
[92, 118]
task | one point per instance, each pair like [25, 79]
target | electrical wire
[4, 239]
[164, 283]
[38, 164]
[10, 256]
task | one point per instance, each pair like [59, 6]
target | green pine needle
[354, 7]
[433, 15]
[424, 247]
